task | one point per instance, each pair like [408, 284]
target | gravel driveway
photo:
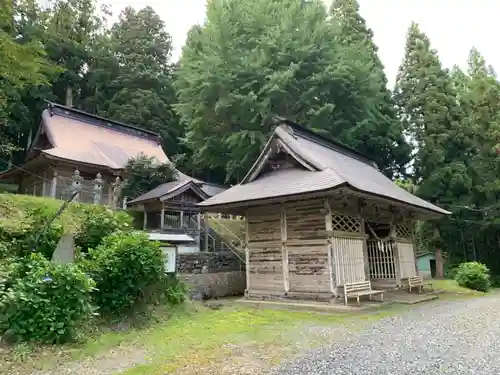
[459, 337]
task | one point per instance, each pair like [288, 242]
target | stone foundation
[212, 275]
[215, 285]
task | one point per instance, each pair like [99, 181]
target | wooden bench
[361, 288]
[416, 282]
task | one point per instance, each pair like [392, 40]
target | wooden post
[182, 219]
[207, 228]
[284, 250]
[329, 247]
[247, 255]
[162, 217]
[44, 184]
[198, 224]
[53, 185]
[365, 250]
[145, 224]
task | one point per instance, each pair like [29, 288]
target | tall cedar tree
[432, 118]
[473, 231]
[378, 133]
[253, 59]
[480, 103]
[130, 78]
[23, 68]
[71, 28]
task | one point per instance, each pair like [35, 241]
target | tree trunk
[69, 96]
[439, 264]
[439, 257]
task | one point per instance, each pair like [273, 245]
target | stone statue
[76, 184]
[117, 188]
[97, 189]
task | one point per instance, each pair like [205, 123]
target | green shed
[426, 264]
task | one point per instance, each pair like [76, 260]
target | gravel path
[459, 337]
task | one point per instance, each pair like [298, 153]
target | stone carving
[65, 250]
[76, 184]
[117, 188]
[97, 189]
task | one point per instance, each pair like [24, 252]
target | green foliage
[252, 60]
[47, 304]
[377, 132]
[32, 233]
[97, 222]
[169, 289]
[130, 77]
[144, 174]
[431, 117]
[23, 220]
[124, 266]
[473, 275]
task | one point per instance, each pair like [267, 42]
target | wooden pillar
[198, 224]
[182, 219]
[365, 250]
[162, 217]
[284, 250]
[207, 228]
[329, 247]
[247, 254]
[44, 184]
[145, 224]
[53, 185]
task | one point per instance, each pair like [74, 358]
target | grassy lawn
[451, 286]
[234, 339]
[194, 341]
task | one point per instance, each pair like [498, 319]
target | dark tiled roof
[330, 164]
[204, 190]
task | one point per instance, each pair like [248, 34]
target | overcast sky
[454, 26]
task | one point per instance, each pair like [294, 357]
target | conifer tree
[377, 133]
[432, 119]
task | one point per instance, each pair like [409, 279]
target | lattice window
[343, 223]
[403, 231]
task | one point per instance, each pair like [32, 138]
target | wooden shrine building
[72, 147]
[320, 215]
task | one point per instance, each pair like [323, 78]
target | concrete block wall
[212, 275]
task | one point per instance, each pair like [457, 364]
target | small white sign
[170, 259]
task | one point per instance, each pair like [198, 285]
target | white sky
[454, 26]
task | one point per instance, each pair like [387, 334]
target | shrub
[473, 275]
[124, 267]
[32, 232]
[99, 222]
[47, 304]
[168, 290]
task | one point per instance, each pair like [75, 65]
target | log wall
[264, 259]
[288, 249]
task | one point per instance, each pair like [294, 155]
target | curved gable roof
[326, 165]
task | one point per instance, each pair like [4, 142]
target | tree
[432, 119]
[71, 28]
[23, 65]
[255, 59]
[130, 78]
[377, 133]
[143, 174]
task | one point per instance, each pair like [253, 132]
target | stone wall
[212, 275]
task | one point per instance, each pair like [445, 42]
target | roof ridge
[148, 134]
[332, 144]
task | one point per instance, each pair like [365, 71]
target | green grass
[202, 339]
[197, 337]
[14, 208]
[451, 286]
